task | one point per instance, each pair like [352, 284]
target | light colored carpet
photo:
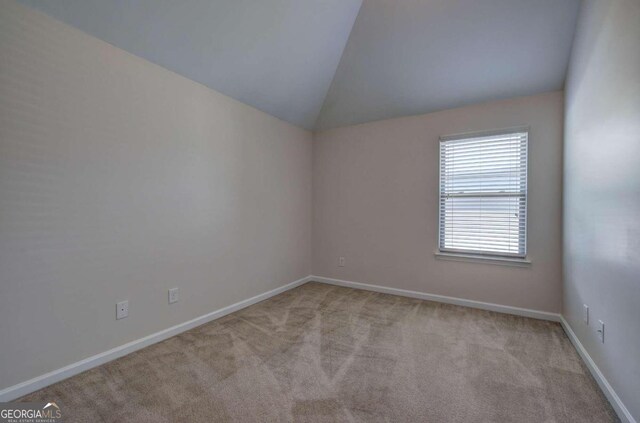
[321, 353]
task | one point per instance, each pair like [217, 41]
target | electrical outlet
[601, 330]
[173, 295]
[585, 315]
[341, 261]
[122, 309]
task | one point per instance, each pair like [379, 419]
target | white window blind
[483, 194]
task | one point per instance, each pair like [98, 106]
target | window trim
[486, 259]
[471, 255]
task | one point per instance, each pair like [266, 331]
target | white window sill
[478, 258]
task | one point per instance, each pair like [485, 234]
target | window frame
[490, 256]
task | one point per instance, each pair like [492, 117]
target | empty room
[320, 211]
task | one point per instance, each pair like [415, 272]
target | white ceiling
[276, 55]
[402, 57]
[409, 57]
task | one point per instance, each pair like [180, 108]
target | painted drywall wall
[120, 179]
[602, 191]
[375, 195]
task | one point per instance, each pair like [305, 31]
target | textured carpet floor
[321, 353]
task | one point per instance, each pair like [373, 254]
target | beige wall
[602, 191]
[376, 203]
[119, 180]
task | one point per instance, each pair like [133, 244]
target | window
[483, 193]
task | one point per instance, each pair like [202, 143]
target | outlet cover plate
[173, 295]
[122, 309]
[585, 315]
[601, 330]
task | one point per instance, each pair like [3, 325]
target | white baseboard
[611, 395]
[24, 388]
[536, 314]
[39, 382]
[623, 413]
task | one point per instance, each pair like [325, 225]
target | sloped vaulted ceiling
[288, 57]
[276, 55]
[409, 57]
